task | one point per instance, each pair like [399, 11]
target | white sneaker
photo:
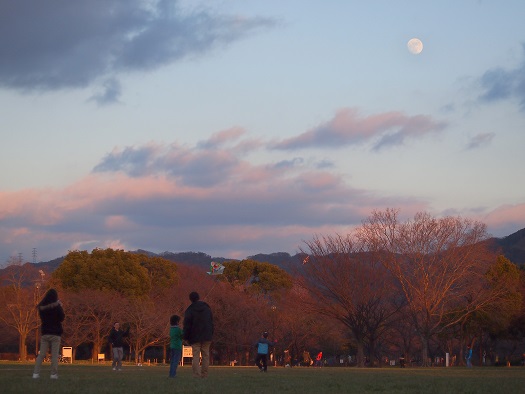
[36, 376]
[114, 369]
[55, 376]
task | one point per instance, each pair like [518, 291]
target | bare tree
[348, 286]
[435, 261]
[18, 297]
[90, 314]
[146, 327]
[298, 326]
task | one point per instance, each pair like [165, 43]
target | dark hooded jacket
[51, 314]
[116, 338]
[198, 323]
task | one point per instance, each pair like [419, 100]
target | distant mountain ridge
[511, 246]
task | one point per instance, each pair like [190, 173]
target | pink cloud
[506, 219]
[318, 180]
[222, 137]
[347, 127]
[248, 208]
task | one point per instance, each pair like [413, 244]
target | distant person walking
[116, 338]
[51, 316]
[263, 346]
[198, 332]
[175, 345]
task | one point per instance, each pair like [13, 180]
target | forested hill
[511, 246]
[280, 259]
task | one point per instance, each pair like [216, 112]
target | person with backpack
[263, 346]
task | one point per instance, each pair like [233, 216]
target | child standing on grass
[175, 344]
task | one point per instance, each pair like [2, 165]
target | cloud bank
[211, 197]
[208, 197]
[59, 44]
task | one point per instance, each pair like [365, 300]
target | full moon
[415, 46]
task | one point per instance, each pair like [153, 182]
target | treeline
[420, 288]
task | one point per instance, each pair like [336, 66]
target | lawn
[87, 378]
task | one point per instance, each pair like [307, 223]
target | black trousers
[261, 361]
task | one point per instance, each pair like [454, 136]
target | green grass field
[87, 378]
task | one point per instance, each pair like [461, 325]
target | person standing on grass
[116, 338]
[51, 315]
[198, 332]
[263, 346]
[307, 359]
[175, 345]
[287, 358]
[468, 356]
[402, 361]
[319, 360]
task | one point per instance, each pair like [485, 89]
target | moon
[415, 46]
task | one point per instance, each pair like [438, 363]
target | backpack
[262, 348]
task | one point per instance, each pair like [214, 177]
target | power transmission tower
[34, 255]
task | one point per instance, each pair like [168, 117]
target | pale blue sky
[239, 127]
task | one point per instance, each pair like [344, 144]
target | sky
[238, 127]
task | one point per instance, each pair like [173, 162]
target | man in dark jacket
[198, 332]
[51, 315]
[116, 338]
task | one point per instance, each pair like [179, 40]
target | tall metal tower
[34, 255]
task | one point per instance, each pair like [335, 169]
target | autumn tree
[146, 328]
[435, 262]
[162, 273]
[350, 287]
[493, 303]
[299, 328]
[18, 297]
[242, 319]
[90, 315]
[147, 332]
[257, 278]
[514, 332]
[111, 285]
[504, 299]
[250, 303]
[104, 270]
